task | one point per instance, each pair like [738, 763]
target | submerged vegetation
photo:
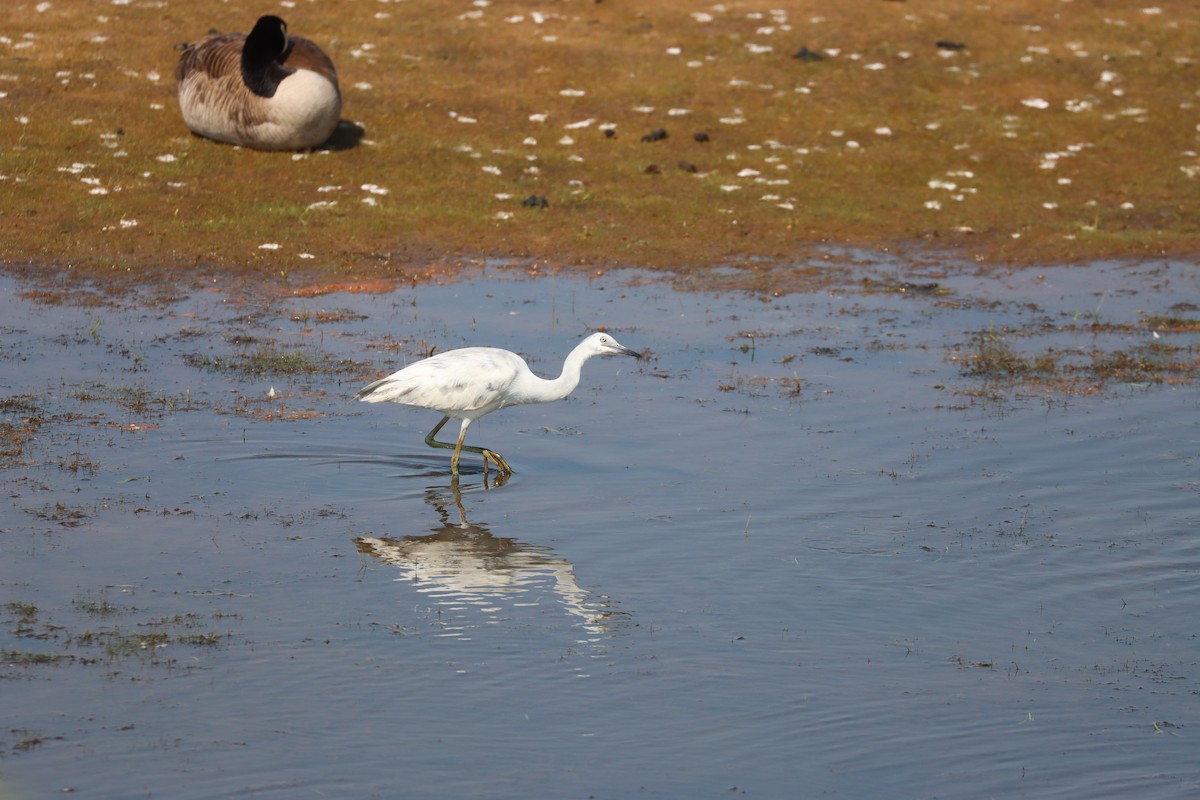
[137, 399]
[990, 355]
[20, 419]
[77, 641]
[675, 133]
[268, 360]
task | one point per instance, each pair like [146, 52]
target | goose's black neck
[266, 47]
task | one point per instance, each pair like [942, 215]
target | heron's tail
[366, 392]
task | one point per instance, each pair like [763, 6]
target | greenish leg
[432, 442]
[502, 467]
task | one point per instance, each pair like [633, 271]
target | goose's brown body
[264, 90]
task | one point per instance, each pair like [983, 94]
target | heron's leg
[502, 466]
[432, 442]
[429, 440]
[462, 434]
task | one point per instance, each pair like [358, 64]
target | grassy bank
[1022, 131]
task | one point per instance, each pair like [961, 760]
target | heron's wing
[469, 380]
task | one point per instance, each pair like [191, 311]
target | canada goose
[265, 90]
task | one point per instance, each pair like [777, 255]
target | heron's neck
[543, 390]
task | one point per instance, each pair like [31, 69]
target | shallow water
[702, 580]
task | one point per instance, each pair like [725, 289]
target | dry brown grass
[890, 142]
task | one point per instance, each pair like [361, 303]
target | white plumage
[264, 90]
[472, 382]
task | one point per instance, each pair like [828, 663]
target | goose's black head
[262, 55]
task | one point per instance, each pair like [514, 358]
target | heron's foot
[502, 467]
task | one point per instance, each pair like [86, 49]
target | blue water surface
[795, 552]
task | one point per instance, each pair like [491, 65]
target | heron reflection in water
[462, 565]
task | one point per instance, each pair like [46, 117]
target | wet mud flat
[930, 530]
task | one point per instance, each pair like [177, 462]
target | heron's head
[605, 344]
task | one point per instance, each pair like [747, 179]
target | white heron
[472, 382]
[265, 90]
